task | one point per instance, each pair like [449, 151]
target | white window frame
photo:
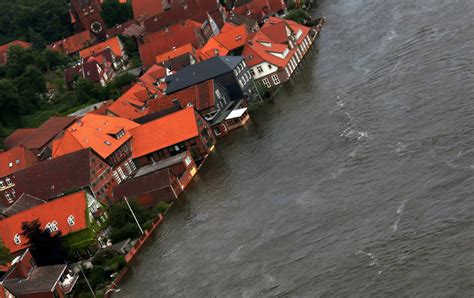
[132, 164]
[116, 176]
[187, 160]
[17, 239]
[9, 199]
[71, 220]
[52, 226]
[276, 79]
[121, 173]
[259, 69]
[129, 169]
[266, 82]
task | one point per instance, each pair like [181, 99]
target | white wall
[266, 70]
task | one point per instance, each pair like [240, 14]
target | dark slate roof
[156, 115]
[54, 177]
[202, 71]
[46, 132]
[40, 279]
[25, 202]
[134, 187]
[162, 164]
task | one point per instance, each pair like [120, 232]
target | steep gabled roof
[51, 178]
[202, 71]
[164, 132]
[58, 210]
[183, 50]
[46, 132]
[113, 43]
[17, 136]
[137, 186]
[24, 203]
[262, 48]
[73, 43]
[96, 132]
[146, 8]
[15, 159]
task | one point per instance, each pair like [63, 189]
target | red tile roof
[96, 132]
[16, 159]
[164, 132]
[113, 43]
[146, 8]
[46, 132]
[186, 49]
[58, 210]
[74, 43]
[164, 41]
[295, 27]
[201, 96]
[17, 136]
[231, 38]
[4, 49]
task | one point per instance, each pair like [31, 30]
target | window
[107, 143]
[17, 239]
[17, 161]
[188, 159]
[218, 93]
[132, 164]
[52, 226]
[276, 79]
[236, 71]
[122, 174]
[9, 198]
[270, 66]
[259, 69]
[216, 131]
[252, 72]
[2, 185]
[266, 82]
[70, 220]
[117, 177]
[240, 84]
[129, 169]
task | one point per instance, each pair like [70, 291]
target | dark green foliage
[38, 21]
[5, 255]
[298, 15]
[114, 89]
[47, 249]
[114, 12]
[123, 224]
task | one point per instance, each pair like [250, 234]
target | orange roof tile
[143, 8]
[186, 49]
[153, 74]
[164, 132]
[255, 52]
[15, 159]
[96, 132]
[73, 44]
[113, 43]
[58, 210]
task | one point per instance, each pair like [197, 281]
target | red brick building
[85, 16]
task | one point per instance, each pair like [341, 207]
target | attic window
[70, 220]
[52, 226]
[17, 161]
[17, 239]
[107, 143]
[265, 44]
[120, 134]
[10, 164]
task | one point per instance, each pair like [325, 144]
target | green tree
[123, 224]
[298, 15]
[114, 12]
[5, 255]
[46, 248]
[89, 92]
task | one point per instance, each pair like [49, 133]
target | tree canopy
[46, 247]
[298, 15]
[5, 255]
[114, 12]
[38, 21]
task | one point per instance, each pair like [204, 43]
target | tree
[114, 12]
[122, 222]
[46, 247]
[5, 256]
[298, 15]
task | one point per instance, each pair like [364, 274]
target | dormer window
[265, 44]
[2, 185]
[107, 143]
[17, 239]
[10, 164]
[52, 226]
[8, 181]
[120, 134]
[17, 161]
[70, 220]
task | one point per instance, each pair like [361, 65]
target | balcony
[68, 281]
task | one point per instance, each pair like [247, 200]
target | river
[357, 180]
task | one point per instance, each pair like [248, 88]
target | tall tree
[114, 12]
[46, 247]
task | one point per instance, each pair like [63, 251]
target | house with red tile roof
[114, 44]
[169, 39]
[133, 103]
[14, 160]
[145, 8]
[39, 140]
[170, 135]
[209, 13]
[82, 169]
[274, 52]
[74, 43]
[177, 58]
[25, 278]
[67, 214]
[107, 136]
[85, 16]
[259, 10]
[4, 49]
[229, 41]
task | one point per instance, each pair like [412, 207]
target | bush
[298, 15]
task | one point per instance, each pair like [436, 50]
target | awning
[236, 113]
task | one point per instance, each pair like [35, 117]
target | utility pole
[87, 281]
[133, 214]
